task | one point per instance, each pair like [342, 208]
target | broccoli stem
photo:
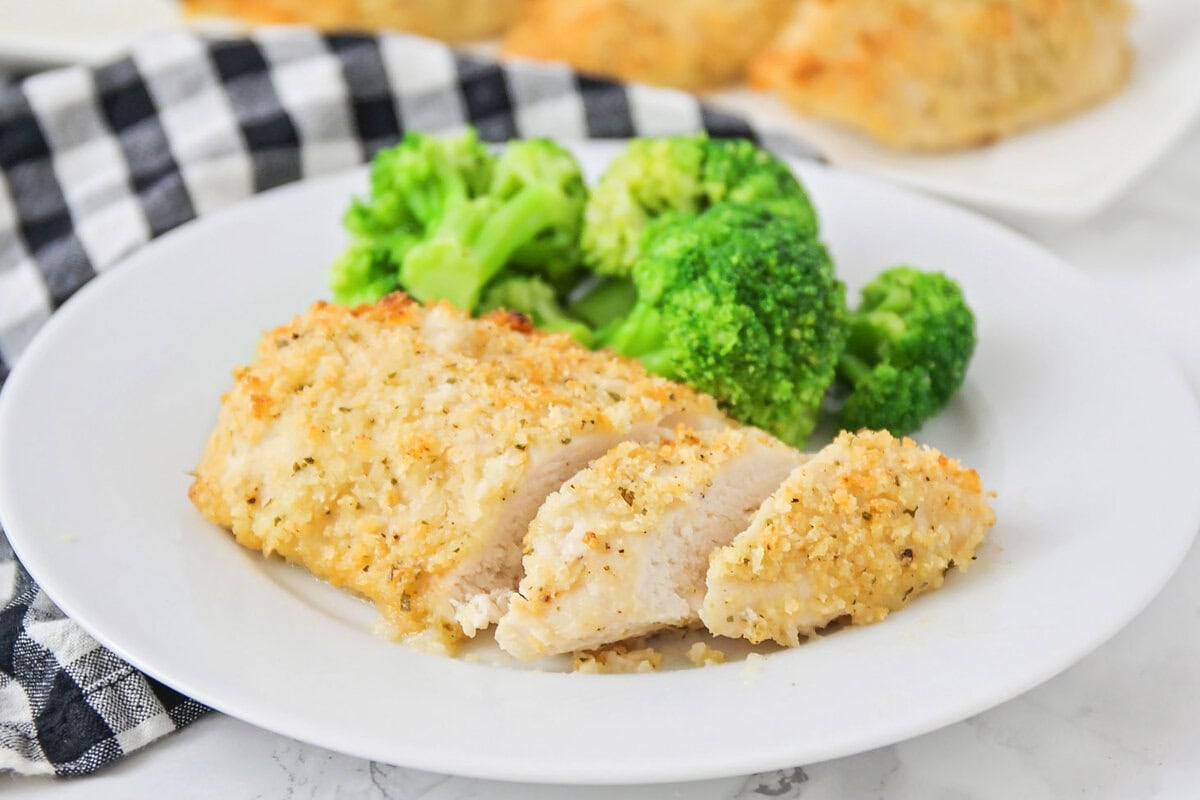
[867, 342]
[562, 324]
[869, 334]
[896, 299]
[606, 303]
[853, 369]
[474, 243]
[517, 222]
[550, 317]
[641, 335]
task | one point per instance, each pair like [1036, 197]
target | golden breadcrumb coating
[619, 657]
[383, 447]
[702, 655]
[939, 74]
[691, 44]
[858, 530]
[622, 548]
[452, 20]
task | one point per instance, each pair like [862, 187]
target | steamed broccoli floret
[547, 180]
[536, 299]
[411, 186]
[529, 218]
[743, 305]
[449, 218]
[363, 274]
[413, 182]
[907, 349]
[654, 179]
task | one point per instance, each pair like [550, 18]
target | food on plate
[706, 258]
[463, 469]
[743, 305]
[445, 217]
[940, 74]
[401, 451]
[656, 178]
[699, 257]
[858, 530]
[908, 345]
[462, 472]
[621, 550]
[692, 44]
[452, 20]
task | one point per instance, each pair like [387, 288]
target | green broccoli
[908, 345]
[536, 299]
[547, 180]
[411, 186]
[528, 219]
[449, 218]
[744, 305]
[655, 179]
[364, 273]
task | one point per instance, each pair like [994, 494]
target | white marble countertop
[1122, 723]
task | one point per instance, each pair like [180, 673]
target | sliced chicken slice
[621, 550]
[860, 529]
[401, 451]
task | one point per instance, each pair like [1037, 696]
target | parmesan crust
[857, 531]
[620, 657]
[400, 451]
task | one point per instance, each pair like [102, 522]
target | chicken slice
[401, 451]
[858, 530]
[621, 550]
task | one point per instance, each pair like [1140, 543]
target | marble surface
[1124, 722]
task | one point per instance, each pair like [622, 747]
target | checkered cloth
[94, 164]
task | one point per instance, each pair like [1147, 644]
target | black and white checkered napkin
[95, 163]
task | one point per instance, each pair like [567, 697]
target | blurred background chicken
[451, 20]
[691, 44]
[939, 74]
[913, 74]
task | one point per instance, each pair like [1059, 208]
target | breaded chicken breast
[401, 451]
[452, 20]
[858, 530]
[622, 549]
[940, 74]
[691, 44]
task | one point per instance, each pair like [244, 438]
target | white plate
[1086, 431]
[1064, 171]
